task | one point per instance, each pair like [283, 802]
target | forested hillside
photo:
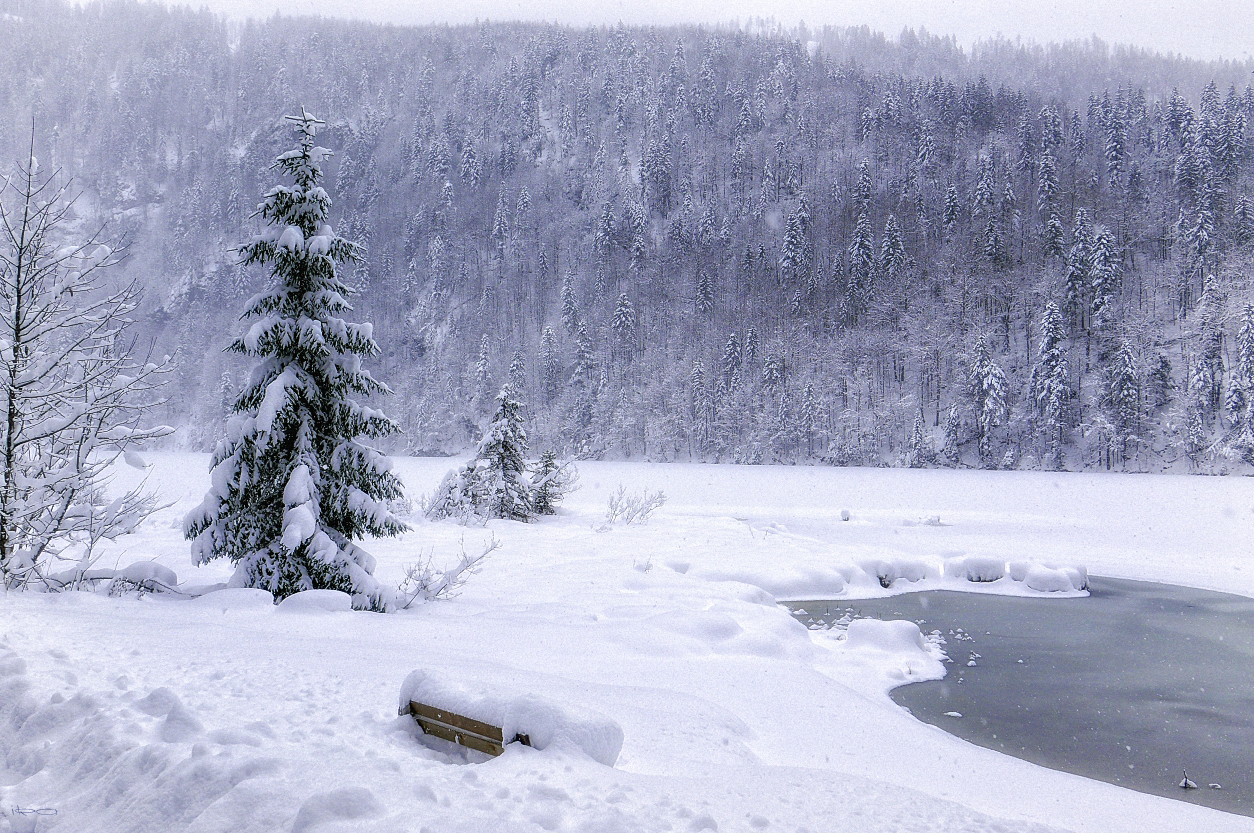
[740, 245]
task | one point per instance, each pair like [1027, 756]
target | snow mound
[977, 568]
[236, 598]
[149, 574]
[1047, 580]
[888, 654]
[343, 804]
[887, 571]
[316, 601]
[896, 636]
[545, 721]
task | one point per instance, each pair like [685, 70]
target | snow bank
[149, 574]
[316, 601]
[236, 598]
[975, 568]
[546, 722]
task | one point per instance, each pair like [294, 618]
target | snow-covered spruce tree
[1050, 387]
[550, 483]
[293, 485]
[988, 396]
[1122, 399]
[494, 484]
[502, 464]
[74, 391]
[951, 449]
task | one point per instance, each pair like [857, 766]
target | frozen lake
[1131, 685]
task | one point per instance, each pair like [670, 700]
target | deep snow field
[221, 714]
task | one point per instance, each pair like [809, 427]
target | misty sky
[1198, 28]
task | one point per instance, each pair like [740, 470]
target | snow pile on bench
[546, 722]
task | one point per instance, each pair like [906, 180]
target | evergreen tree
[1208, 376]
[550, 482]
[794, 259]
[949, 218]
[294, 486]
[1105, 277]
[624, 322]
[861, 289]
[773, 371]
[1049, 386]
[501, 466]
[892, 253]
[570, 310]
[1047, 187]
[1079, 271]
[920, 454]
[1052, 244]
[705, 294]
[702, 409]
[1123, 397]
[1159, 383]
[731, 363]
[518, 369]
[808, 417]
[483, 374]
[951, 451]
[550, 365]
[988, 396]
[1243, 369]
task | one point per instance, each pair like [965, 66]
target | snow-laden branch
[73, 390]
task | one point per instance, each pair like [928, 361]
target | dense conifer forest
[753, 245]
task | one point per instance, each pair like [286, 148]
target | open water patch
[1133, 685]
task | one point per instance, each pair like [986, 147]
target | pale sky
[1198, 28]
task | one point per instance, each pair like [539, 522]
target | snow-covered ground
[221, 714]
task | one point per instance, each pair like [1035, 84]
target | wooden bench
[464, 731]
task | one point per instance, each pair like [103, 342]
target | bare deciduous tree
[74, 390]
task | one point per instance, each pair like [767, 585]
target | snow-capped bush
[975, 568]
[634, 508]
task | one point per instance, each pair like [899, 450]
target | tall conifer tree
[293, 485]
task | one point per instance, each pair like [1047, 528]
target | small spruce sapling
[551, 481]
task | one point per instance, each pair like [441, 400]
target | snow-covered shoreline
[156, 714]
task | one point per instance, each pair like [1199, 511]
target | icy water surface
[1131, 685]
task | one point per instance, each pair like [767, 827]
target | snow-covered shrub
[906, 569]
[976, 568]
[75, 393]
[461, 495]
[632, 508]
[424, 583]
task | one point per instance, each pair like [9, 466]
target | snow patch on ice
[897, 636]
